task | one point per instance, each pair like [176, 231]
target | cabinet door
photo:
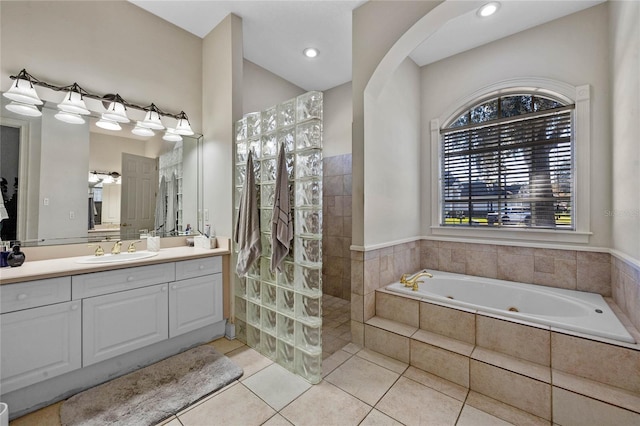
[39, 343]
[117, 323]
[194, 303]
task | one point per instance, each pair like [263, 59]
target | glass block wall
[280, 314]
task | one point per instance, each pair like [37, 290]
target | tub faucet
[116, 247]
[413, 280]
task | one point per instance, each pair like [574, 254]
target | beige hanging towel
[281, 221]
[247, 233]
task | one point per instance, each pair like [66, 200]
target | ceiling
[276, 32]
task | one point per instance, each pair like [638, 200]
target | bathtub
[566, 309]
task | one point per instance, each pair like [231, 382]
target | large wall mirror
[73, 183]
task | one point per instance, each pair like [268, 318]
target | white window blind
[508, 171]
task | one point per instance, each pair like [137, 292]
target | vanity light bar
[22, 91]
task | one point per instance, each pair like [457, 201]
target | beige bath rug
[152, 394]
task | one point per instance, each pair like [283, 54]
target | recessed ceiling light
[488, 9]
[310, 52]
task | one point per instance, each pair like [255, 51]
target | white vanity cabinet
[41, 332]
[89, 321]
[114, 324]
[194, 298]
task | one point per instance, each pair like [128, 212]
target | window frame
[563, 92]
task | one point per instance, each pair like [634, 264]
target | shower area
[280, 313]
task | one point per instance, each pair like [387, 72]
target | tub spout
[413, 280]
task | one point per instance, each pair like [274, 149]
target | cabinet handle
[163, 289]
[129, 278]
[74, 307]
[22, 296]
[201, 267]
[173, 287]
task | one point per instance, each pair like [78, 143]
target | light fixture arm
[24, 75]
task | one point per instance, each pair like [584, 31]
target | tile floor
[360, 387]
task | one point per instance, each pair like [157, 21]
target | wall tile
[333, 185]
[333, 166]
[369, 306]
[519, 391]
[481, 263]
[571, 409]
[440, 362]
[594, 277]
[371, 275]
[515, 250]
[357, 307]
[333, 226]
[357, 333]
[448, 322]
[543, 264]
[387, 343]
[520, 341]
[514, 267]
[346, 185]
[347, 206]
[584, 358]
[563, 275]
[430, 258]
[397, 308]
[590, 256]
[357, 277]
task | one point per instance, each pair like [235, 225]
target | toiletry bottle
[16, 257]
[4, 254]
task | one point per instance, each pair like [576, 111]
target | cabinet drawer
[194, 303]
[198, 267]
[40, 343]
[118, 323]
[100, 283]
[15, 297]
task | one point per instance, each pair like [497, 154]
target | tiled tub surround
[336, 227]
[559, 377]
[574, 397]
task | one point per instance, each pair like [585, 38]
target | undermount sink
[115, 258]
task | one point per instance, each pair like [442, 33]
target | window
[508, 163]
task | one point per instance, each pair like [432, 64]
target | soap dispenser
[16, 257]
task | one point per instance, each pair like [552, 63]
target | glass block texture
[280, 314]
[170, 167]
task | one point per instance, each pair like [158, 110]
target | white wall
[337, 120]
[107, 47]
[391, 160]
[222, 106]
[579, 59]
[262, 88]
[377, 25]
[625, 100]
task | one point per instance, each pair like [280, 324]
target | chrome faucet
[413, 281]
[116, 247]
[132, 247]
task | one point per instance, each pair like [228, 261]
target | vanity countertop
[52, 268]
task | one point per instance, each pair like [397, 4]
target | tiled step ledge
[463, 364]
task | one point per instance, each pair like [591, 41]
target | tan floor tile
[383, 361]
[224, 345]
[277, 420]
[276, 385]
[573, 409]
[171, 421]
[325, 405]
[437, 383]
[402, 399]
[473, 417]
[47, 416]
[250, 360]
[334, 361]
[352, 348]
[376, 418]
[363, 379]
[235, 406]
